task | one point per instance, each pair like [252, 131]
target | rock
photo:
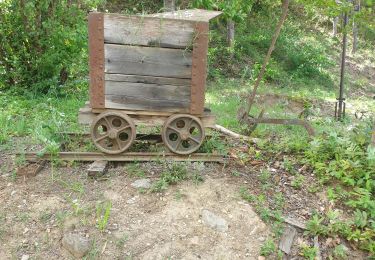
[261, 258]
[77, 245]
[132, 200]
[214, 221]
[141, 184]
[25, 257]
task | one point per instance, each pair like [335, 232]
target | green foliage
[268, 248]
[43, 43]
[103, 211]
[308, 252]
[176, 172]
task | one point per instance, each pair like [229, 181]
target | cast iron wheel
[113, 132]
[183, 134]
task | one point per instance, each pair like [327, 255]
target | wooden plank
[148, 79]
[142, 103]
[142, 118]
[97, 168]
[199, 68]
[124, 157]
[147, 61]
[148, 91]
[147, 31]
[96, 59]
[189, 15]
[287, 239]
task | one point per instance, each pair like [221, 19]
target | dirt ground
[37, 211]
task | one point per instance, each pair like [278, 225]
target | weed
[103, 211]
[178, 195]
[339, 252]
[315, 226]
[177, 172]
[121, 242]
[298, 181]
[246, 195]
[93, 252]
[45, 216]
[264, 176]
[197, 178]
[268, 247]
[135, 170]
[308, 252]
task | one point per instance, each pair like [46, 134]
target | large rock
[214, 221]
[142, 184]
[77, 245]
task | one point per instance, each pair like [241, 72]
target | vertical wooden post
[96, 59]
[199, 67]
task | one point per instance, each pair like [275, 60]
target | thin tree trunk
[355, 28]
[244, 112]
[169, 5]
[230, 33]
[335, 21]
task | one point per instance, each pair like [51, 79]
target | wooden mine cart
[148, 70]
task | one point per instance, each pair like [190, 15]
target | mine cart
[148, 70]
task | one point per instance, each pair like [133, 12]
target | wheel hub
[184, 135]
[112, 134]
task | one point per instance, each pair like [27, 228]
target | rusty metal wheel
[183, 134]
[113, 132]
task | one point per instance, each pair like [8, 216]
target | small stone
[77, 245]
[25, 257]
[13, 192]
[194, 240]
[132, 200]
[141, 184]
[261, 257]
[214, 221]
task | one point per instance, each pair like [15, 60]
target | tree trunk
[230, 33]
[244, 111]
[357, 8]
[335, 21]
[169, 5]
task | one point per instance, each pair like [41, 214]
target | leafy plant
[103, 211]
[268, 247]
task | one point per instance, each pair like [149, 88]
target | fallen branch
[232, 134]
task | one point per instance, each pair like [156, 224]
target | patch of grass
[308, 252]
[103, 212]
[120, 243]
[297, 181]
[268, 248]
[135, 170]
[176, 172]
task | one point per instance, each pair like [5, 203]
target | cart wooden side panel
[149, 63]
[96, 59]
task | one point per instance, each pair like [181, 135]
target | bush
[43, 43]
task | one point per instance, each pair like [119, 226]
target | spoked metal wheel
[113, 132]
[183, 134]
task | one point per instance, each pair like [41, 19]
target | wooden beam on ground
[124, 157]
[97, 169]
[287, 239]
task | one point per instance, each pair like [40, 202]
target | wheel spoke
[108, 124]
[187, 125]
[174, 129]
[178, 143]
[124, 128]
[194, 140]
[119, 146]
[101, 138]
